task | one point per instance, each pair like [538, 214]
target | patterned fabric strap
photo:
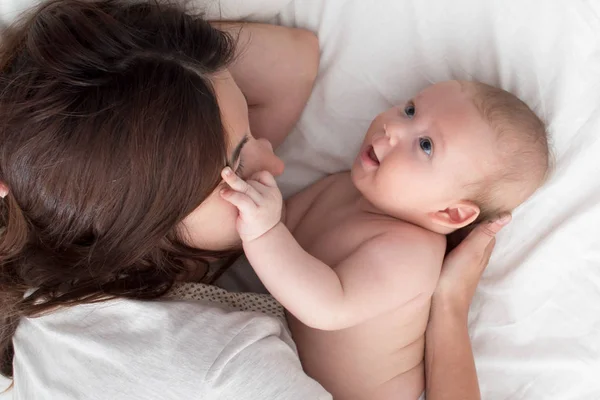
[263, 303]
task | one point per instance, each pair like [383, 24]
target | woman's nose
[279, 166]
[266, 143]
[273, 163]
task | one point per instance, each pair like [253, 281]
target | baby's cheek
[396, 184]
[369, 135]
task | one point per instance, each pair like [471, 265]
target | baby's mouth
[372, 155]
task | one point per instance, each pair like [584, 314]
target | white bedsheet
[535, 321]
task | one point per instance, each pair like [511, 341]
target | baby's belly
[381, 359]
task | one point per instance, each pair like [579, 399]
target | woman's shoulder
[140, 327]
[127, 349]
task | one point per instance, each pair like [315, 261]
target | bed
[535, 321]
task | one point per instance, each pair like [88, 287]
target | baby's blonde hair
[522, 145]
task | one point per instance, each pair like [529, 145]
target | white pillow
[258, 10]
[535, 321]
[255, 10]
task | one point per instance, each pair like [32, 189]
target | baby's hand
[258, 201]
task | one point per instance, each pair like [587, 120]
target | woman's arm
[275, 67]
[449, 364]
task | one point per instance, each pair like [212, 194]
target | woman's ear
[3, 190]
[456, 216]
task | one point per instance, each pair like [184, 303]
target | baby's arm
[379, 276]
[382, 274]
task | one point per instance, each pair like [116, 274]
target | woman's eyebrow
[237, 151]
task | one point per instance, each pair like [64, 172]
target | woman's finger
[488, 251]
[478, 240]
[239, 185]
[464, 265]
[482, 263]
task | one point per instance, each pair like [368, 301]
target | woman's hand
[449, 364]
[464, 265]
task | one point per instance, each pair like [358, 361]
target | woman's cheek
[212, 226]
[225, 235]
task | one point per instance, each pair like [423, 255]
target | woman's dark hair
[110, 134]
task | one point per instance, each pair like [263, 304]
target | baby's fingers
[265, 178]
[241, 201]
[239, 185]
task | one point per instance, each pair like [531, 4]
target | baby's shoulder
[399, 241]
[418, 236]
[402, 256]
[409, 235]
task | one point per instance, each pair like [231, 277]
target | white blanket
[535, 321]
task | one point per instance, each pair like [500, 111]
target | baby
[360, 256]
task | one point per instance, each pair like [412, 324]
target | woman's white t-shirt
[161, 349]
[165, 349]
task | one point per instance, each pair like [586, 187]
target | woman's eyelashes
[426, 145]
[240, 168]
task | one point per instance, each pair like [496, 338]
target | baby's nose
[394, 132]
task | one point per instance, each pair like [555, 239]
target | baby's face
[420, 157]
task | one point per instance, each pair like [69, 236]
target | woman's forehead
[233, 107]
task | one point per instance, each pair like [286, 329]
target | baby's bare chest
[331, 229]
[379, 350]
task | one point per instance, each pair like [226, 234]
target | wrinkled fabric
[158, 350]
[535, 320]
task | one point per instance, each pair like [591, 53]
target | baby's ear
[457, 215]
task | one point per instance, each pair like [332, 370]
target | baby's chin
[358, 176]
[365, 186]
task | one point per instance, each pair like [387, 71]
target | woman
[115, 122]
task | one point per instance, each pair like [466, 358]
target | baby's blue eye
[426, 145]
[409, 110]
